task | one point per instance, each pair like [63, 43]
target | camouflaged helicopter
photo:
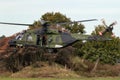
[52, 38]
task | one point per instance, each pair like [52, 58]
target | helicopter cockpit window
[19, 37]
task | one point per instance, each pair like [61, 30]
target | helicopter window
[38, 40]
[29, 37]
[44, 40]
[50, 39]
[41, 40]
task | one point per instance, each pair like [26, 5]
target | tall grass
[94, 78]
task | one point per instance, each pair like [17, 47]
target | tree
[52, 17]
[55, 17]
[76, 28]
[3, 36]
[36, 24]
[98, 29]
[60, 18]
[105, 51]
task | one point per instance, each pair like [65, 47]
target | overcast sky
[27, 11]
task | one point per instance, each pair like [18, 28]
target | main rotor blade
[87, 20]
[15, 24]
[78, 21]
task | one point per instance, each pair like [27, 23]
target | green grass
[95, 78]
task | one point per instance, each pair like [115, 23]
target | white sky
[27, 11]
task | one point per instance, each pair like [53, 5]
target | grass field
[95, 78]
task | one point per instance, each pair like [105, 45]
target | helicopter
[51, 39]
